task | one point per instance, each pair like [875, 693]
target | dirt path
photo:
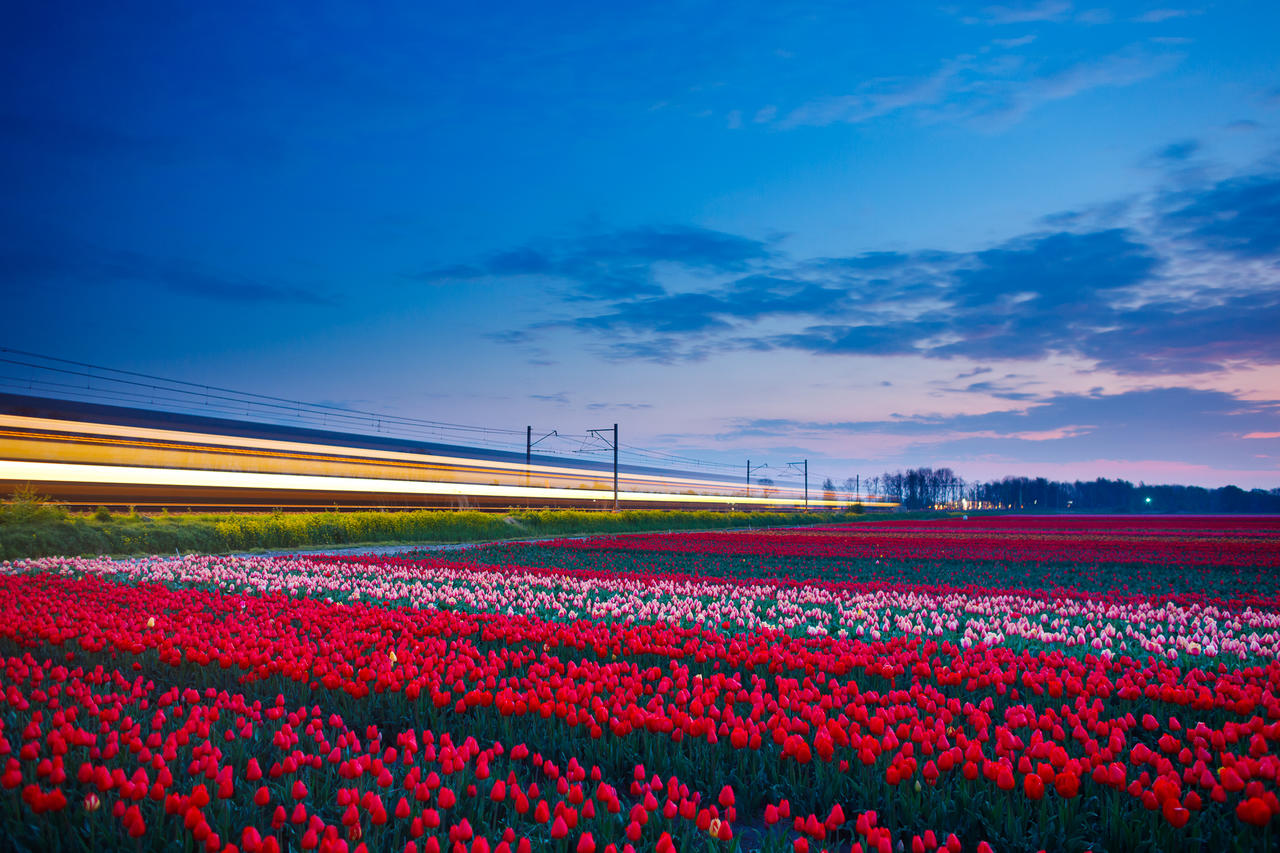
[391, 550]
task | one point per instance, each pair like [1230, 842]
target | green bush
[26, 506]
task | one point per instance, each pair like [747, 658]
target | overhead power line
[43, 375]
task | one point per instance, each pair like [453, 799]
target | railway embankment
[34, 528]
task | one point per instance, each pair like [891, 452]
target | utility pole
[596, 433]
[797, 465]
[749, 470]
[529, 444]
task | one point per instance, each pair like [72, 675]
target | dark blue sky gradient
[1019, 238]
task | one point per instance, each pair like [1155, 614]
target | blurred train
[89, 454]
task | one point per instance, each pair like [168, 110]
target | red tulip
[1066, 784]
[1033, 786]
[1254, 811]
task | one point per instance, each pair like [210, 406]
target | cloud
[1186, 425]
[1009, 387]
[685, 312]
[867, 339]
[1173, 337]
[988, 93]
[1003, 392]
[1180, 151]
[666, 349]
[1156, 16]
[560, 398]
[1057, 271]
[1018, 98]
[1023, 13]
[615, 264]
[1087, 295]
[1093, 17]
[511, 336]
[1177, 423]
[1079, 294]
[876, 98]
[1187, 285]
[602, 407]
[1033, 296]
[749, 298]
[48, 260]
[1238, 215]
[1244, 125]
[184, 277]
[522, 261]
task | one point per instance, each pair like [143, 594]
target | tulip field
[1009, 683]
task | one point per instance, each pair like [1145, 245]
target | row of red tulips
[1077, 526]
[326, 786]
[980, 740]
[100, 754]
[1229, 560]
[911, 545]
[1041, 540]
[1235, 587]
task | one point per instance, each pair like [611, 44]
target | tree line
[920, 488]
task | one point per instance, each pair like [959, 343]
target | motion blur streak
[70, 458]
[78, 431]
[57, 472]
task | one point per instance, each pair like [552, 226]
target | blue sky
[1033, 238]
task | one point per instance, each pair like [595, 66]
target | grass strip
[33, 528]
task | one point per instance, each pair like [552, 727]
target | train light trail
[131, 456]
[59, 472]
